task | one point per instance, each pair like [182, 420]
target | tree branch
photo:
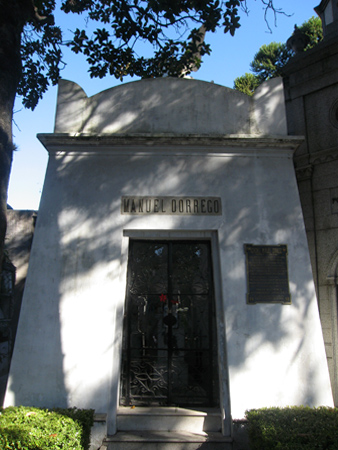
[41, 20]
[268, 6]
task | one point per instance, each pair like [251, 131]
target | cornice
[157, 143]
[323, 156]
[305, 164]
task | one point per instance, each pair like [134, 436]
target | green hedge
[293, 428]
[28, 428]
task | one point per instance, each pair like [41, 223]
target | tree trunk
[11, 26]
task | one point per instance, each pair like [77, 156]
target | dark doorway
[169, 342]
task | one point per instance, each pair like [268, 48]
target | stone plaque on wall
[267, 274]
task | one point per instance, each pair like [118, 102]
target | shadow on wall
[79, 258]
[19, 237]
[171, 105]
[88, 242]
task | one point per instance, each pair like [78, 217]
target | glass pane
[149, 380]
[190, 380]
[148, 268]
[146, 321]
[191, 270]
[192, 330]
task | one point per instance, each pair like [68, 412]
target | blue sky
[230, 58]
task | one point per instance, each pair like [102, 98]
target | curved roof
[170, 106]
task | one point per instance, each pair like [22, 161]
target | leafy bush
[293, 428]
[28, 428]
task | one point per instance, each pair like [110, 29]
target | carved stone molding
[304, 173]
[332, 269]
[324, 157]
[334, 114]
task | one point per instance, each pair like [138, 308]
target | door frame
[223, 372]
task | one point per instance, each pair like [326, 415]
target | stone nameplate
[181, 206]
[267, 274]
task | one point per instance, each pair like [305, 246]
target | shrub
[28, 428]
[293, 428]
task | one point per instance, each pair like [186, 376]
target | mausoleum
[170, 285]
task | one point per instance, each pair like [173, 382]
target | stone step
[166, 440]
[169, 419]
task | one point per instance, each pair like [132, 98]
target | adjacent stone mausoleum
[311, 94]
[170, 268]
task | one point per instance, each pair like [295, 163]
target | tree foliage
[270, 59]
[313, 29]
[171, 27]
[247, 83]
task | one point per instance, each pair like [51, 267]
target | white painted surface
[269, 108]
[68, 344]
[171, 105]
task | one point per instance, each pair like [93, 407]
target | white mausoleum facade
[142, 290]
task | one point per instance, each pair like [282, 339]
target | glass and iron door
[169, 342]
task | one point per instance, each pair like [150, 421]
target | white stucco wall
[71, 321]
[169, 105]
